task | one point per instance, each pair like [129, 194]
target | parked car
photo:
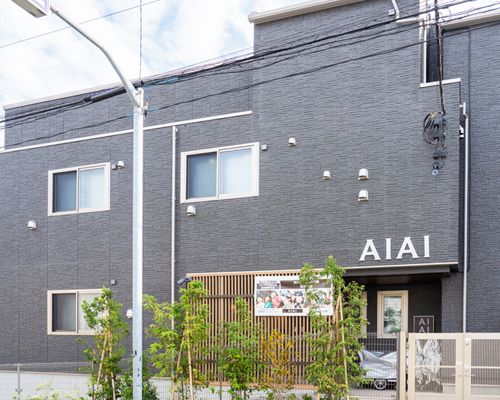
[380, 368]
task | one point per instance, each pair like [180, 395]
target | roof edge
[297, 9]
[60, 96]
[471, 21]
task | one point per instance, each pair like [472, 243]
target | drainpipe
[172, 216]
[466, 215]
[396, 8]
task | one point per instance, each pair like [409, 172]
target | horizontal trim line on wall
[290, 271]
[117, 133]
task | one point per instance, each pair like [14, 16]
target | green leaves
[238, 351]
[179, 329]
[333, 342]
[106, 382]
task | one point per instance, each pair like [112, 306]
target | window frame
[254, 147]
[77, 332]
[380, 311]
[77, 169]
[364, 313]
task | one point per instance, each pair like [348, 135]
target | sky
[175, 33]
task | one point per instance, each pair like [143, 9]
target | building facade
[311, 147]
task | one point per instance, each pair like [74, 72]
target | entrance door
[454, 366]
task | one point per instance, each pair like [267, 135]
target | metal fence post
[401, 382]
[19, 390]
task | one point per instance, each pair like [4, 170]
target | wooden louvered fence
[223, 289]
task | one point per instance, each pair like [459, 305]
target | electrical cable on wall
[434, 129]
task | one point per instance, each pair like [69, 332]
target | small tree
[334, 341]
[103, 316]
[238, 352]
[179, 329]
[279, 372]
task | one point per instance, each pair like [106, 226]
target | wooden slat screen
[223, 289]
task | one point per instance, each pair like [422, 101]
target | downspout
[466, 216]
[172, 216]
[396, 8]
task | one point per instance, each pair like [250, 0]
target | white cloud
[175, 34]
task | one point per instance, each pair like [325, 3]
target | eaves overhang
[297, 9]
[474, 20]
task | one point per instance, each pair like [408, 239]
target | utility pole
[39, 8]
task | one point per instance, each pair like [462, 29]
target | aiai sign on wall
[402, 249]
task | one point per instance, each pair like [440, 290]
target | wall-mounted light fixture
[191, 211]
[130, 313]
[326, 176]
[118, 165]
[184, 280]
[363, 195]
[363, 174]
[263, 147]
[31, 224]
[292, 142]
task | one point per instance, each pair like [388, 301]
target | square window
[392, 312]
[65, 314]
[79, 189]
[221, 173]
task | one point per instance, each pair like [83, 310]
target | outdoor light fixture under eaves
[39, 8]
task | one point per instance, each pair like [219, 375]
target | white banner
[284, 296]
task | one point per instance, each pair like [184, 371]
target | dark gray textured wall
[424, 299]
[358, 114]
[474, 55]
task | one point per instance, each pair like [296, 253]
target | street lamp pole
[40, 8]
[137, 98]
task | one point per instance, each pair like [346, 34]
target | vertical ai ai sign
[37, 8]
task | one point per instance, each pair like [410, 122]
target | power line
[140, 41]
[45, 113]
[239, 60]
[71, 107]
[80, 23]
[253, 85]
[264, 54]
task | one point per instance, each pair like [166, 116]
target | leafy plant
[238, 352]
[104, 317]
[334, 340]
[279, 372]
[45, 391]
[105, 356]
[179, 329]
[149, 391]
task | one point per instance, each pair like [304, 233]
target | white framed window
[79, 189]
[392, 312]
[220, 173]
[64, 311]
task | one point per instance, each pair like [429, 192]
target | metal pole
[19, 390]
[172, 216]
[131, 91]
[137, 98]
[137, 244]
[466, 218]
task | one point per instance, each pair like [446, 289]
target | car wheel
[379, 384]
